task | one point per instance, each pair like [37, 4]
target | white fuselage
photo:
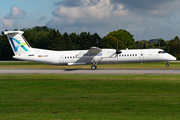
[78, 57]
[23, 51]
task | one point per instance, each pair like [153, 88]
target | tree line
[47, 38]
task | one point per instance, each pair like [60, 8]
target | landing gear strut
[167, 64]
[94, 66]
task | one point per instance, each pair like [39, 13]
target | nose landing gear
[167, 64]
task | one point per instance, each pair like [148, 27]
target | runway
[93, 72]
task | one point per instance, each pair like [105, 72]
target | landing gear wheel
[167, 64]
[93, 67]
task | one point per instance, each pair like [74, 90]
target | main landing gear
[167, 64]
[94, 66]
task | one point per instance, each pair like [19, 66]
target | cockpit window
[161, 52]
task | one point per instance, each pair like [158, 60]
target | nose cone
[171, 58]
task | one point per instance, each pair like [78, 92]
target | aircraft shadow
[75, 69]
[71, 69]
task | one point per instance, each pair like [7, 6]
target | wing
[94, 51]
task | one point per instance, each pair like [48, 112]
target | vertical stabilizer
[18, 43]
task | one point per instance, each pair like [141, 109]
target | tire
[167, 65]
[93, 67]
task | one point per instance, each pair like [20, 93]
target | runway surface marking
[93, 72]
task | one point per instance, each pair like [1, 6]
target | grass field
[31, 65]
[88, 97]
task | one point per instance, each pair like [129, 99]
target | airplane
[94, 56]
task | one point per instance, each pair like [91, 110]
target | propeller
[117, 50]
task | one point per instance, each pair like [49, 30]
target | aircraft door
[61, 58]
[141, 57]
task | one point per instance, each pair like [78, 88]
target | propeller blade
[117, 47]
[117, 50]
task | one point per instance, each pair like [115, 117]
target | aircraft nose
[172, 58]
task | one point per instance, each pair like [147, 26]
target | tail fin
[18, 43]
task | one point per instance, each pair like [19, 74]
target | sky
[144, 19]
